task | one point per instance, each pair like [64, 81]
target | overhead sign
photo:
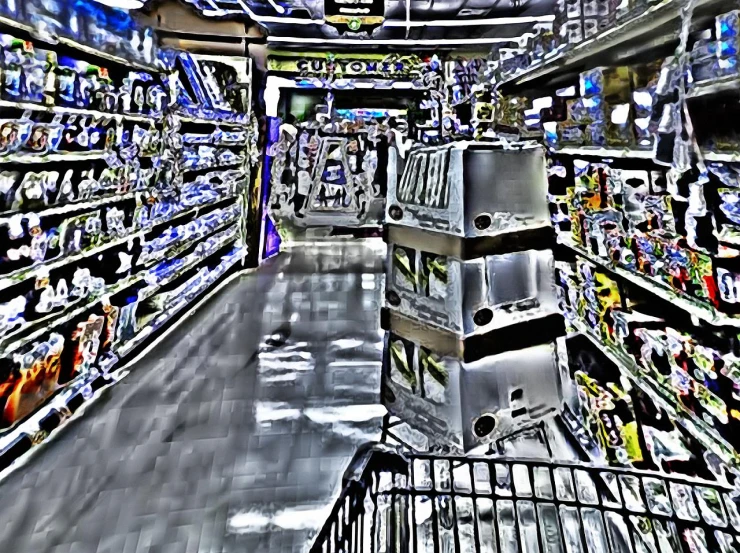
[391, 65]
[353, 15]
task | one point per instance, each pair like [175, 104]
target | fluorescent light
[390, 42]
[470, 22]
[123, 4]
[495, 21]
[278, 7]
[261, 18]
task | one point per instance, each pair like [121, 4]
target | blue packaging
[727, 25]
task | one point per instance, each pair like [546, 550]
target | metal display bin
[471, 189]
[461, 405]
[474, 296]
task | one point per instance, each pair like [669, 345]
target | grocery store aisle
[232, 434]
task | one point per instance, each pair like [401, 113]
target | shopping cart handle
[374, 456]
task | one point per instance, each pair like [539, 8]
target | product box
[461, 405]
[422, 388]
[502, 394]
[474, 296]
[613, 84]
[471, 189]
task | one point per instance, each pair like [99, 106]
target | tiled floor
[231, 435]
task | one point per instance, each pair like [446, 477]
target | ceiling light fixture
[123, 4]
[495, 21]
[471, 22]
[390, 42]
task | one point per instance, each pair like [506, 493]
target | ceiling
[430, 22]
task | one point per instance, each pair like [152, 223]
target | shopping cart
[414, 503]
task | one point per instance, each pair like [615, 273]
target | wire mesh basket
[414, 503]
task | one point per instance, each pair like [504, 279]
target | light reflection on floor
[232, 434]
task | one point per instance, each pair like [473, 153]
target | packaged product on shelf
[619, 130]
[609, 414]
[571, 32]
[727, 29]
[88, 133]
[582, 111]
[644, 83]
[29, 377]
[567, 135]
[10, 9]
[628, 425]
[613, 84]
[142, 93]
[47, 16]
[627, 322]
[86, 340]
[544, 43]
[727, 267]
[46, 137]
[511, 61]
[28, 72]
[82, 85]
[595, 134]
[15, 134]
[568, 21]
[703, 56]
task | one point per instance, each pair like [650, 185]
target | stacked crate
[471, 312]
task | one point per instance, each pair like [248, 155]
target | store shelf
[27, 157]
[692, 306]
[217, 144]
[74, 206]
[31, 425]
[656, 26]
[204, 121]
[604, 152]
[79, 111]
[726, 157]
[17, 26]
[700, 430]
[82, 384]
[159, 320]
[150, 290]
[210, 167]
[106, 56]
[705, 88]
[19, 338]
[34, 271]
[177, 248]
[616, 153]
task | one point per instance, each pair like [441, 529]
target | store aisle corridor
[231, 434]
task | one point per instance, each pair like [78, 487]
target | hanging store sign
[353, 15]
[391, 65]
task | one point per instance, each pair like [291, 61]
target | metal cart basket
[414, 503]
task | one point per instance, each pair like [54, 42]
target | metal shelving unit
[654, 27]
[692, 306]
[70, 43]
[617, 153]
[19, 439]
[80, 111]
[699, 429]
